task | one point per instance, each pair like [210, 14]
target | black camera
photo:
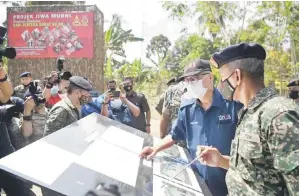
[60, 66]
[8, 52]
[33, 89]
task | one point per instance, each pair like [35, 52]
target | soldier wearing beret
[67, 111]
[25, 78]
[264, 156]
[294, 89]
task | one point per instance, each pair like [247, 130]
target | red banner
[51, 34]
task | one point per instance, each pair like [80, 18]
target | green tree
[158, 48]
[115, 38]
[187, 49]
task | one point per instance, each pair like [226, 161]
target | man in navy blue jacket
[206, 118]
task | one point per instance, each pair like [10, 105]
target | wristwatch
[148, 125]
[27, 118]
[104, 103]
[4, 79]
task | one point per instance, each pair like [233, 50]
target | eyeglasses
[194, 79]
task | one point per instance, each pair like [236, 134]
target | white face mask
[117, 103]
[54, 90]
[195, 90]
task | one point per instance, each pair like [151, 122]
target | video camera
[8, 52]
[35, 94]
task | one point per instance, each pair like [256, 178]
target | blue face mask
[54, 90]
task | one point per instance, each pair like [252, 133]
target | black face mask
[294, 94]
[228, 90]
[127, 88]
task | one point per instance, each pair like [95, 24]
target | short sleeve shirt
[213, 127]
[139, 100]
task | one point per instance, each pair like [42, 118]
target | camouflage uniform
[172, 101]
[159, 105]
[38, 125]
[20, 91]
[264, 156]
[61, 115]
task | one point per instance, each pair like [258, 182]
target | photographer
[25, 78]
[56, 87]
[6, 89]
[33, 120]
[11, 185]
[117, 107]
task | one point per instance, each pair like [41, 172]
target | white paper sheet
[171, 188]
[123, 139]
[40, 160]
[167, 168]
[92, 137]
[147, 163]
[112, 161]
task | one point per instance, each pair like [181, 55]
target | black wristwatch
[27, 118]
[4, 79]
[104, 103]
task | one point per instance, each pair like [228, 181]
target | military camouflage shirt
[20, 90]
[159, 105]
[61, 115]
[38, 125]
[172, 101]
[264, 157]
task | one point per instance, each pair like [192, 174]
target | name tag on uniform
[252, 137]
[224, 117]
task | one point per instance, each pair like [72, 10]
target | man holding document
[205, 119]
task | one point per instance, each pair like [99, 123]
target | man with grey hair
[264, 156]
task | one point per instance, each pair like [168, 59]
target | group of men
[245, 136]
[65, 99]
